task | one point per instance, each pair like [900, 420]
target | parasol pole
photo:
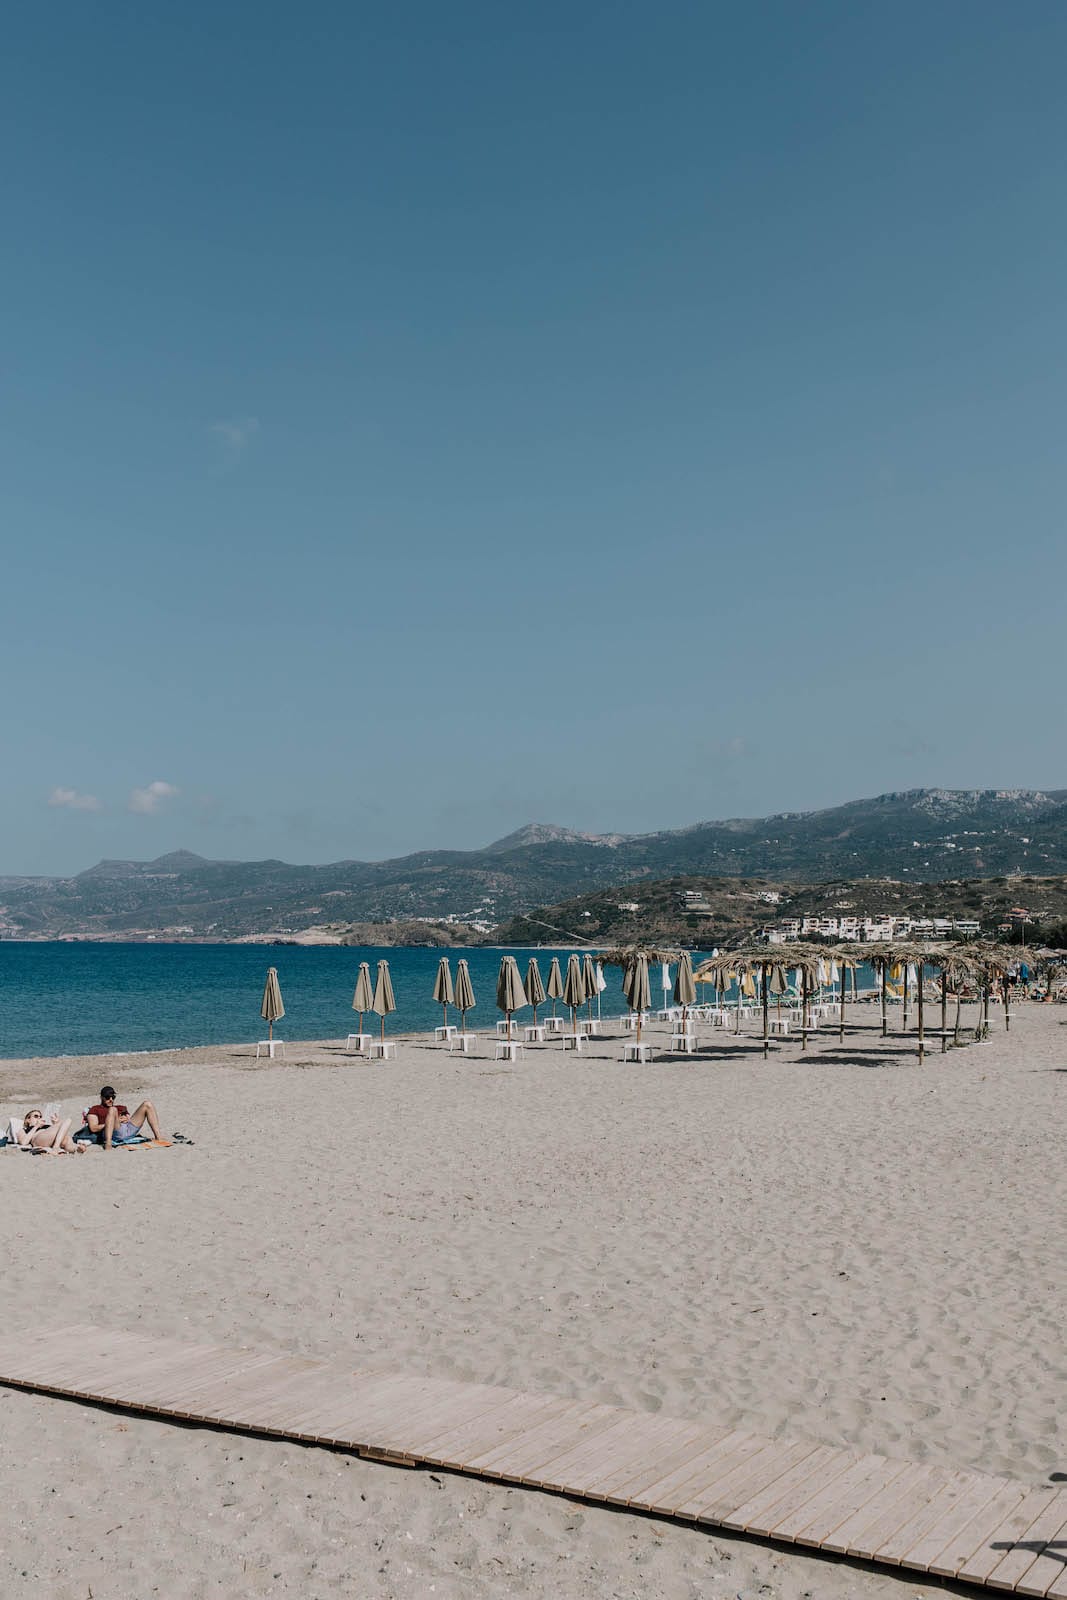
[766, 1009]
[919, 1004]
[944, 1011]
[883, 969]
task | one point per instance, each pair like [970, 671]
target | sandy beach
[840, 1245]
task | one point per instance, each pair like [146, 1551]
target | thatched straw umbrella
[957, 971]
[770, 962]
[535, 989]
[1051, 965]
[846, 960]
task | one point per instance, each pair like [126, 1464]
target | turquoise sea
[84, 999]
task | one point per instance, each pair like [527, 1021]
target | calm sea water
[85, 999]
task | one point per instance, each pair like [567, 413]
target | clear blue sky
[417, 419]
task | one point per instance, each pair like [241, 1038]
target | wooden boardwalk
[979, 1529]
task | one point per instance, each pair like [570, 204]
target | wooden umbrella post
[841, 1024]
[883, 968]
[1007, 1012]
[904, 998]
[919, 1004]
[985, 1007]
[766, 1008]
[805, 1014]
[944, 1010]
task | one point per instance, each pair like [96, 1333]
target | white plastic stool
[268, 1047]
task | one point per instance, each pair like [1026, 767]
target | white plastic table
[591, 1026]
[555, 1024]
[509, 1050]
[778, 1025]
[533, 1033]
[461, 1042]
[633, 1051]
[683, 1043]
[629, 1021]
[573, 1041]
[445, 1031]
[382, 1049]
[270, 1047]
[358, 1042]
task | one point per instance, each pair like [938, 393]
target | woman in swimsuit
[51, 1138]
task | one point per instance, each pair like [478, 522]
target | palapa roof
[623, 955]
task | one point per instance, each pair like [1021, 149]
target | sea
[59, 999]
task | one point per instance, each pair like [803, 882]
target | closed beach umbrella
[510, 994]
[363, 998]
[272, 1009]
[574, 989]
[383, 1002]
[589, 982]
[555, 983]
[535, 989]
[464, 995]
[637, 989]
[685, 990]
[443, 992]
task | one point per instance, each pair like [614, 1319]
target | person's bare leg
[146, 1112]
[52, 1138]
[110, 1122]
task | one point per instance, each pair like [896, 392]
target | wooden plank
[861, 1492]
[703, 1484]
[954, 1488]
[878, 1517]
[502, 1426]
[543, 1436]
[671, 1484]
[769, 1466]
[980, 1528]
[520, 1459]
[624, 1482]
[831, 1506]
[982, 1494]
[1015, 1563]
[633, 1437]
[961, 1546]
[758, 1514]
[988, 1555]
[1048, 1568]
[1058, 1589]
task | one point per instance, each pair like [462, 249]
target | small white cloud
[236, 434]
[148, 800]
[73, 800]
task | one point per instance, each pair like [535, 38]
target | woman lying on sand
[49, 1138]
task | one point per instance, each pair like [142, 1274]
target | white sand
[841, 1246]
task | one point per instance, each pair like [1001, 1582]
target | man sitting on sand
[115, 1124]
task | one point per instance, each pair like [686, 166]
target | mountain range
[915, 835]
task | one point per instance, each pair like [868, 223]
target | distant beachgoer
[51, 1136]
[116, 1124]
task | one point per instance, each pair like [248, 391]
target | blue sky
[418, 419]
